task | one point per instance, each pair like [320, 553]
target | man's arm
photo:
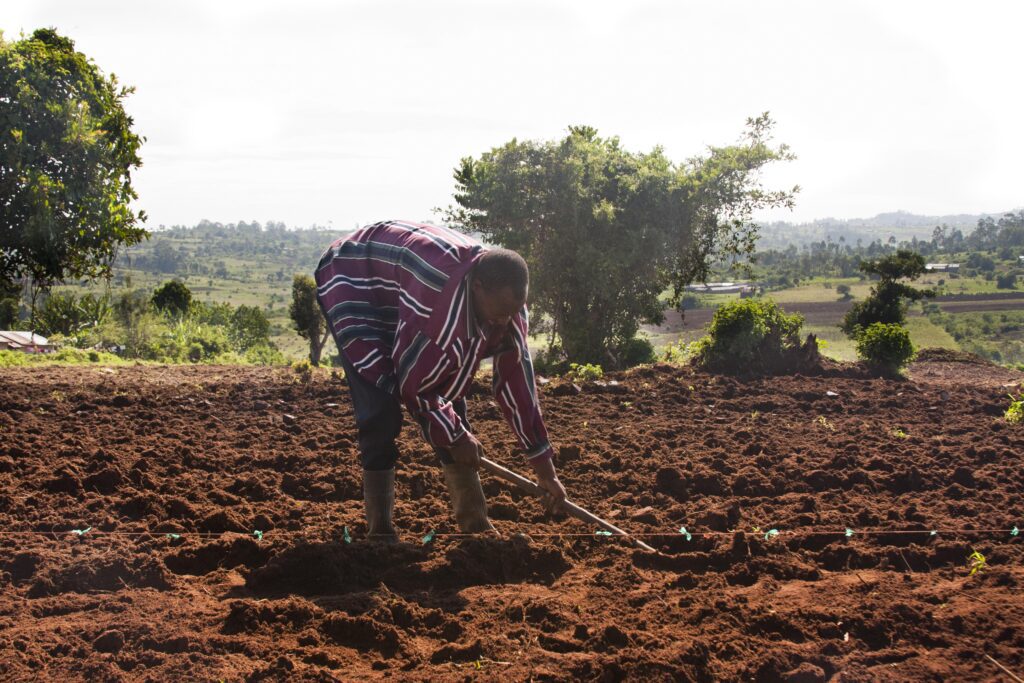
[515, 390]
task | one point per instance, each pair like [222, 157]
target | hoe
[571, 508]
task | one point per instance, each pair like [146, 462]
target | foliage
[1007, 281]
[994, 335]
[65, 163]
[843, 291]
[605, 231]
[249, 328]
[977, 562]
[885, 345]
[1015, 413]
[70, 316]
[587, 372]
[173, 298]
[66, 356]
[303, 369]
[886, 304]
[265, 354]
[550, 361]
[635, 351]
[748, 334]
[307, 317]
[9, 305]
[678, 353]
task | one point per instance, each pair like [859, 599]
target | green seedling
[899, 433]
[587, 372]
[429, 537]
[824, 422]
[976, 562]
[1015, 413]
[258, 534]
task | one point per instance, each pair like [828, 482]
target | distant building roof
[941, 266]
[23, 340]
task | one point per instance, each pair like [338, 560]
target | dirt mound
[226, 537]
[935, 355]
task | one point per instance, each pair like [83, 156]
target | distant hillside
[902, 225]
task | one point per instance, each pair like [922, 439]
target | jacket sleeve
[420, 367]
[515, 390]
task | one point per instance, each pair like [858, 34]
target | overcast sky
[351, 112]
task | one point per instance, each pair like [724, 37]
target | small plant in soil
[976, 562]
[899, 433]
[1015, 413]
[587, 372]
[826, 423]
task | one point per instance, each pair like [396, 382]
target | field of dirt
[168, 471]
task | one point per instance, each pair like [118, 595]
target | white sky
[352, 112]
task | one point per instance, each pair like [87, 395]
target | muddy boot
[468, 501]
[379, 498]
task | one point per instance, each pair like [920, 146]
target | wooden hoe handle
[572, 508]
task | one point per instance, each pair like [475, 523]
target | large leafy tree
[606, 231]
[67, 150]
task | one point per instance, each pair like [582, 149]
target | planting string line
[768, 534]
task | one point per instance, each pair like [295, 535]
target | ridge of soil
[193, 459]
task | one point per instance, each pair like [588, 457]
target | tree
[1007, 281]
[307, 317]
[10, 303]
[886, 303]
[173, 297]
[66, 156]
[843, 290]
[605, 231]
[249, 328]
[69, 315]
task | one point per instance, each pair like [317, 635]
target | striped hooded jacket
[396, 296]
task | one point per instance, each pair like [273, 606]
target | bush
[747, 333]
[265, 355]
[1007, 281]
[636, 351]
[585, 373]
[550, 362]
[886, 346]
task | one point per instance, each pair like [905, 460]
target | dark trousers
[379, 421]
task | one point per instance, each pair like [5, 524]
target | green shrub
[1015, 413]
[678, 353]
[886, 346]
[747, 334]
[585, 373]
[636, 351]
[550, 361]
[13, 359]
[265, 355]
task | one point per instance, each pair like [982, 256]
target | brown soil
[210, 454]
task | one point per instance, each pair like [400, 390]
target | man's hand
[467, 451]
[548, 480]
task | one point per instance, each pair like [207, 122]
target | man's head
[500, 284]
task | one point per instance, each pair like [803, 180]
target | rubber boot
[468, 502]
[379, 499]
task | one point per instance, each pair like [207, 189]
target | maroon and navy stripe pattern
[396, 296]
